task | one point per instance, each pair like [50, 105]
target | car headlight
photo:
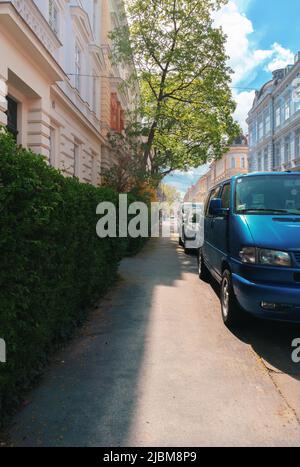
[248, 255]
[273, 257]
[252, 255]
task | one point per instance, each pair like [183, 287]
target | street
[155, 366]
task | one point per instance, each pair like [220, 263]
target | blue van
[252, 245]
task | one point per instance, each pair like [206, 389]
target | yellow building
[59, 92]
[234, 162]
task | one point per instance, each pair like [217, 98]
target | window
[53, 16]
[95, 168]
[243, 164]
[287, 109]
[213, 194]
[287, 148]
[232, 163]
[77, 67]
[94, 94]
[76, 172]
[253, 135]
[260, 129]
[267, 123]
[259, 162]
[265, 194]
[297, 105]
[12, 117]
[266, 159]
[52, 146]
[278, 154]
[277, 116]
[297, 144]
[226, 196]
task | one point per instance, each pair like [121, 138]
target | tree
[126, 173]
[186, 102]
[169, 194]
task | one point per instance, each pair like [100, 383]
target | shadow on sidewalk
[87, 397]
[272, 341]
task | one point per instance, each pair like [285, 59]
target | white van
[191, 226]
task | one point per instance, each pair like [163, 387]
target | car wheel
[231, 312]
[203, 272]
[186, 250]
[180, 241]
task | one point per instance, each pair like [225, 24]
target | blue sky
[262, 35]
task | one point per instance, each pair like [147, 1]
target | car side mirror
[215, 207]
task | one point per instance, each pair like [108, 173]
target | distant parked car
[191, 226]
[252, 245]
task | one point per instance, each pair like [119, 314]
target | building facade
[234, 162]
[274, 123]
[59, 92]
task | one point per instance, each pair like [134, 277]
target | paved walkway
[155, 366]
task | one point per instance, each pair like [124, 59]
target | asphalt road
[155, 366]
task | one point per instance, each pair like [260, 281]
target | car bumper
[192, 244]
[250, 296]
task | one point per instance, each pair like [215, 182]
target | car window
[268, 194]
[213, 194]
[226, 196]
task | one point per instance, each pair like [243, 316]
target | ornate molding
[36, 21]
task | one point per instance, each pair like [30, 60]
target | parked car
[191, 226]
[252, 245]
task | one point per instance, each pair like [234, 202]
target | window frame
[278, 155]
[52, 146]
[287, 149]
[266, 159]
[287, 109]
[78, 65]
[94, 93]
[224, 187]
[297, 144]
[267, 122]
[12, 123]
[211, 195]
[77, 160]
[259, 161]
[278, 116]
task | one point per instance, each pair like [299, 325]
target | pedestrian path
[154, 366]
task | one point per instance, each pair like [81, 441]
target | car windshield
[268, 194]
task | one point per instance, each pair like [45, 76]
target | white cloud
[282, 57]
[183, 180]
[243, 5]
[245, 58]
[244, 102]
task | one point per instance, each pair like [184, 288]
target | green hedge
[53, 265]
